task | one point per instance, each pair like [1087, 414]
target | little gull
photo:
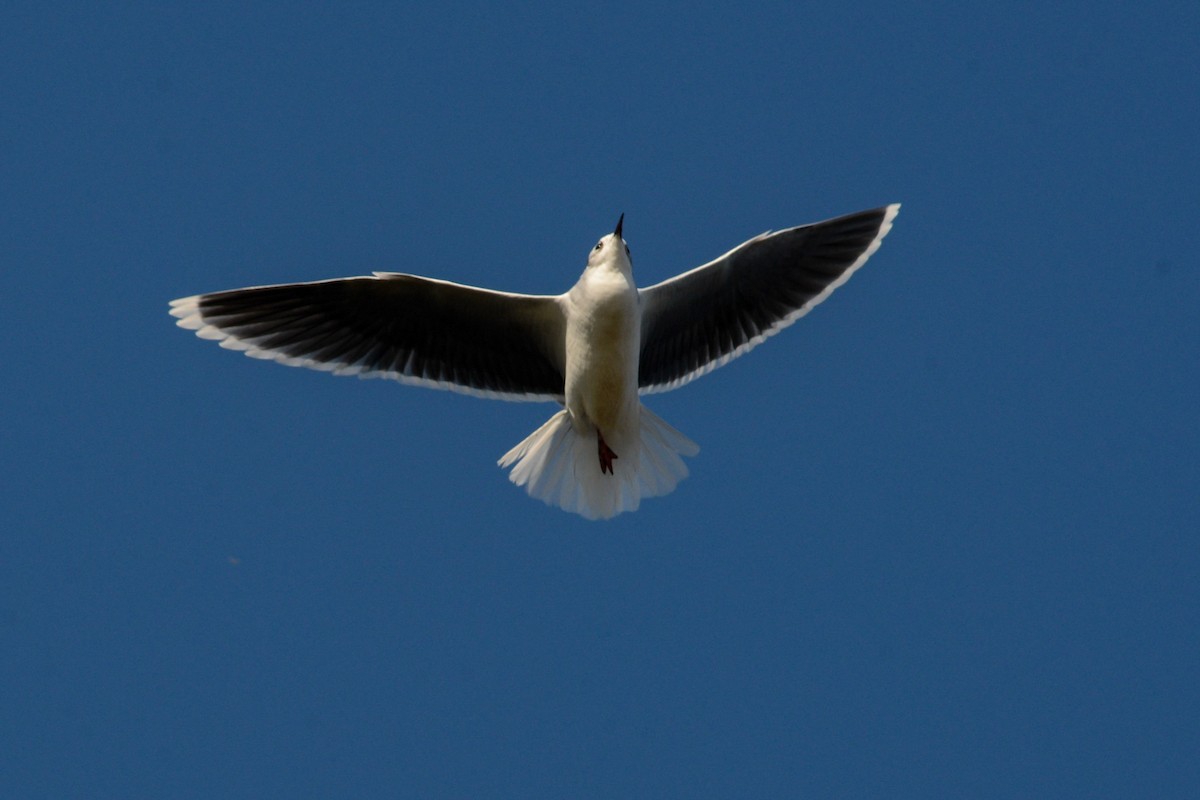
[594, 349]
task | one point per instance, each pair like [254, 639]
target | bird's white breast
[603, 341]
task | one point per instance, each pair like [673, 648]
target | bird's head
[612, 250]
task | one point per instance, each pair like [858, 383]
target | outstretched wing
[704, 318]
[415, 330]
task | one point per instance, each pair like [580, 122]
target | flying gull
[594, 350]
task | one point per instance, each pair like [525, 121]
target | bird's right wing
[702, 319]
[415, 330]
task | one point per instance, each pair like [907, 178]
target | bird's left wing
[702, 319]
[415, 330]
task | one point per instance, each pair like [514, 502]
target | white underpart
[559, 463]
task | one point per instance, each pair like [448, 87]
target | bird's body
[604, 451]
[594, 349]
[603, 335]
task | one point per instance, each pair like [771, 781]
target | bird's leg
[606, 455]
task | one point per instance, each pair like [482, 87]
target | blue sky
[941, 536]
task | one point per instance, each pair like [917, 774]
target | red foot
[606, 455]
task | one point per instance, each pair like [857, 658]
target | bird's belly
[602, 365]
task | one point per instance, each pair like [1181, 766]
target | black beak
[618, 230]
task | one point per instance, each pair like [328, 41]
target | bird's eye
[599, 244]
[626, 249]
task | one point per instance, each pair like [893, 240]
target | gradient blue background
[941, 539]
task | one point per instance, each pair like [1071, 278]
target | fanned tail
[559, 466]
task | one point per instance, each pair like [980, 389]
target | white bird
[594, 350]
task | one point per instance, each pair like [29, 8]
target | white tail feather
[561, 467]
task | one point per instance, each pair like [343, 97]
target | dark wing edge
[702, 319]
[415, 330]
